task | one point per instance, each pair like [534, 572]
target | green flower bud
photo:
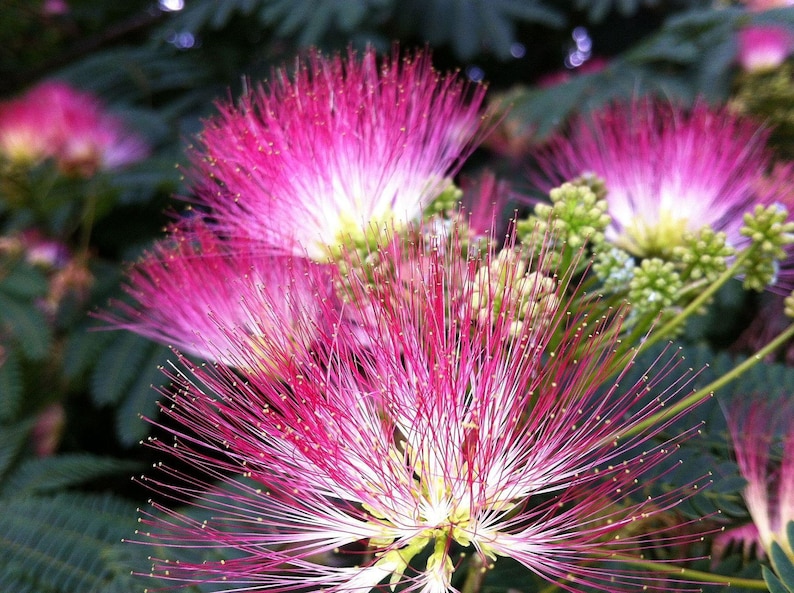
[768, 229]
[704, 255]
[654, 287]
[576, 215]
[615, 268]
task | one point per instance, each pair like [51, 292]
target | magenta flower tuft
[667, 171]
[348, 148]
[198, 295]
[54, 120]
[380, 460]
[764, 47]
[769, 493]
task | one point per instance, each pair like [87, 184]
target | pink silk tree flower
[769, 493]
[764, 47]
[761, 5]
[668, 171]
[346, 150]
[195, 293]
[445, 431]
[54, 120]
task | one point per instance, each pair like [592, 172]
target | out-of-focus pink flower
[23, 132]
[55, 7]
[48, 429]
[485, 204]
[761, 5]
[764, 47]
[448, 430]
[54, 120]
[196, 293]
[769, 493]
[350, 147]
[42, 251]
[667, 171]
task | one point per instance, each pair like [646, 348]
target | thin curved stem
[709, 389]
[695, 575]
[695, 305]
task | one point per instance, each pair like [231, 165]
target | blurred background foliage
[70, 396]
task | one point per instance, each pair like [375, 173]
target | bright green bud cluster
[768, 229]
[704, 255]
[597, 185]
[445, 203]
[615, 268]
[576, 215]
[654, 287]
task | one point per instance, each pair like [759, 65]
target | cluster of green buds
[769, 232]
[656, 287]
[577, 215]
[505, 289]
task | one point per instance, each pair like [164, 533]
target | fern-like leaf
[49, 474]
[11, 391]
[60, 544]
[141, 398]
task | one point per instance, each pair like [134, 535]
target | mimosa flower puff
[447, 432]
[667, 170]
[348, 148]
[196, 293]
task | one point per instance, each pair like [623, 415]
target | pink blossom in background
[55, 120]
[667, 170]
[351, 145]
[761, 5]
[196, 293]
[446, 433]
[55, 7]
[764, 47]
[50, 254]
[23, 132]
[769, 493]
[48, 429]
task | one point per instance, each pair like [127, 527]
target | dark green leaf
[141, 399]
[24, 282]
[28, 325]
[61, 543]
[12, 439]
[11, 388]
[117, 367]
[48, 474]
[773, 583]
[784, 568]
[82, 350]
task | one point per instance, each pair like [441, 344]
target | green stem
[475, 575]
[695, 305]
[709, 389]
[695, 575]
